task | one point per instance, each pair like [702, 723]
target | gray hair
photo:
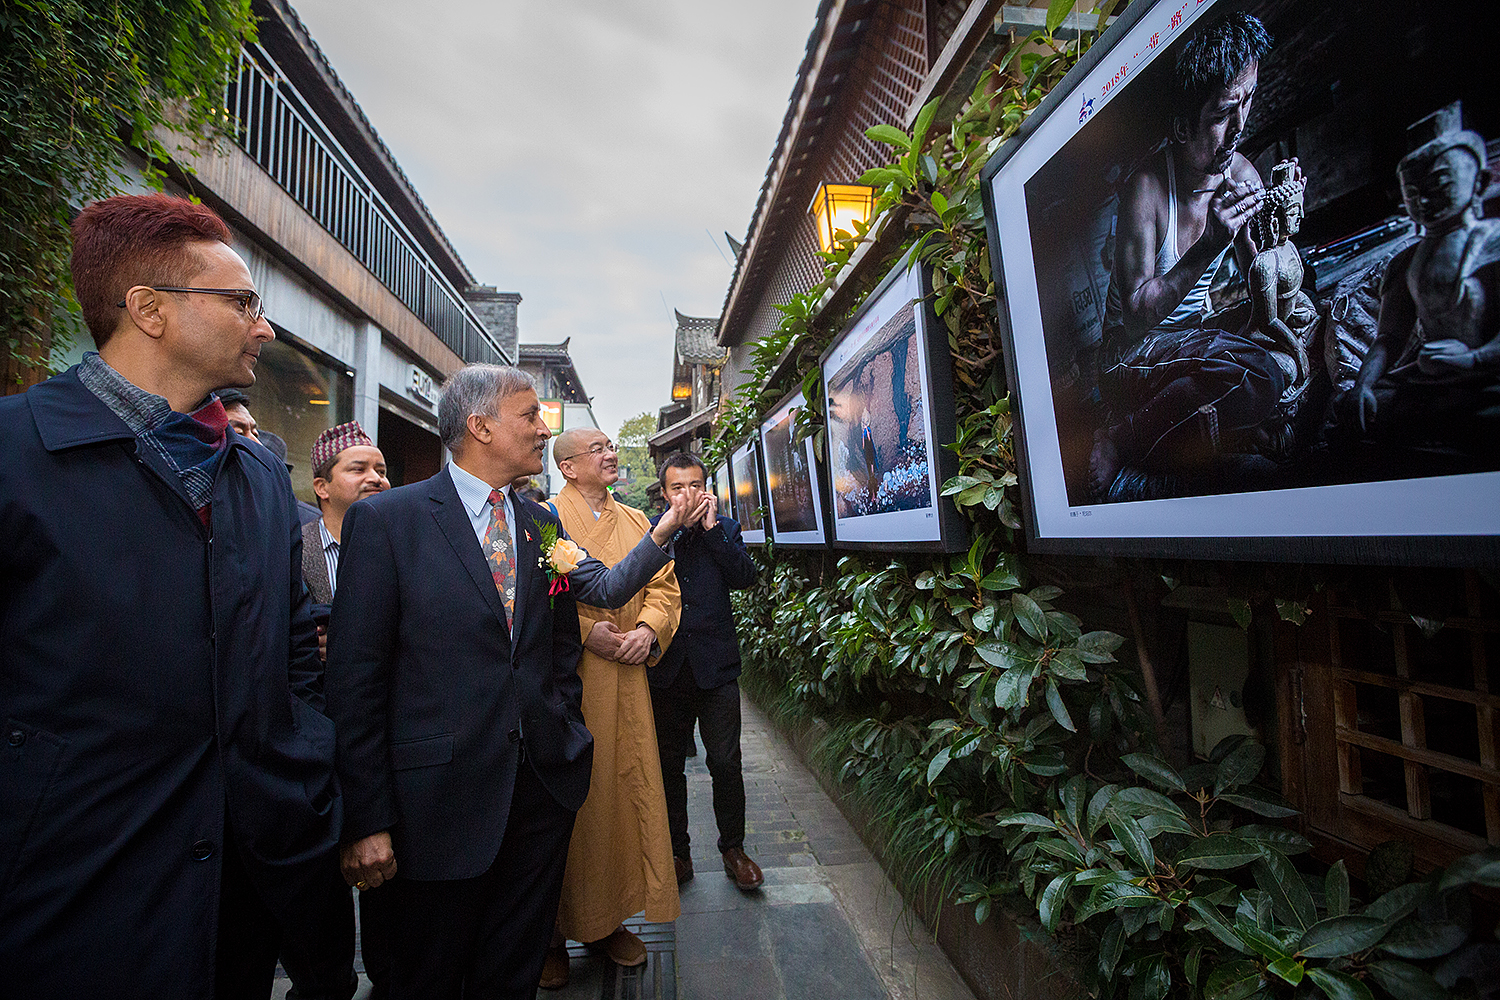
[476, 389]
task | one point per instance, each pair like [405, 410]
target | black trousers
[485, 938]
[303, 913]
[717, 712]
[375, 939]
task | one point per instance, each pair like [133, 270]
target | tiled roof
[697, 340]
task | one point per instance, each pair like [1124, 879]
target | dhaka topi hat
[335, 439]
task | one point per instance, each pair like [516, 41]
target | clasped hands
[633, 647]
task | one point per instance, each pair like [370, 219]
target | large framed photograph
[796, 501]
[1248, 265]
[723, 489]
[888, 383]
[749, 497]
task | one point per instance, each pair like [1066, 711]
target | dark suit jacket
[157, 683]
[431, 692]
[709, 565]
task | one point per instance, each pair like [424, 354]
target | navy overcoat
[158, 686]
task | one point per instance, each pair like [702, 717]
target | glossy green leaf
[1336, 889]
[1111, 946]
[1097, 806]
[1338, 986]
[1419, 939]
[1027, 819]
[923, 123]
[1482, 868]
[1283, 840]
[1400, 901]
[1239, 767]
[1138, 801]
[1218, 926]
[1134, 842]
[1337, 937]
[939, 203]
[1058, 708]
[998, 654]
[1237, 980]
[889, 134]
[1220, 852]
[1029, 616]
[1057, 13]
[938, 762]
[984, 618]
[1277, 877]
[1190, 964]
[1152, 979]
[1288, 969]
[1001, 578]
[1053, 897]
[1154, 770]
[1260, 802]
[1404, 981]
[1263, 943]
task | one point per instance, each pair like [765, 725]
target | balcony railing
[278, 130]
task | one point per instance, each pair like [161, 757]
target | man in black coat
[696, 680]
[452, 677]
[167, 794]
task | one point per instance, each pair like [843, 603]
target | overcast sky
[588, 154]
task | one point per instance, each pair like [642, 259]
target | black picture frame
[724, 488]
[884, 479]
[1340, 93]
[794, 493]
[749, 492]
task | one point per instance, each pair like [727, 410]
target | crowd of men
[224, 707]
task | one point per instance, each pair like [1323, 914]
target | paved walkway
[827, 925]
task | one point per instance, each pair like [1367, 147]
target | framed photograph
[1240, 255]
[792, 482]
[749, 497]
[724, 490]
[888, 384]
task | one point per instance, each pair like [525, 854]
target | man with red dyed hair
[167, 798]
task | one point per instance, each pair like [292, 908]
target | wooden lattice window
[1413, 705]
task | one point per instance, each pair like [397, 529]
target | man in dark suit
[452, 678]
[167, 797]
[696, 680]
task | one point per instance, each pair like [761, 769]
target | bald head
[574, 440]
[586, 458]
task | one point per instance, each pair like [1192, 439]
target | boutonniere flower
[560, 556]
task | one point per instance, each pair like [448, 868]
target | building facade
[697, 374]
[372, 306]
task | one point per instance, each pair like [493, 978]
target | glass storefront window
[298, 394]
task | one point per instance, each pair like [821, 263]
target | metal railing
[281, 133]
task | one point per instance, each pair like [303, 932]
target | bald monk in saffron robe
[620, 857]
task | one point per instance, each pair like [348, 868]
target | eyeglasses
[596, 449]
[250, 303]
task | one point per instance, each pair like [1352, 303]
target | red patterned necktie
[497, 547]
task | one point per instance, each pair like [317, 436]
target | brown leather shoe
[745, 873]
[684, 868]
[623, 948]
[555, 968]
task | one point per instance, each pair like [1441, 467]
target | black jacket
[157, 681]
[432, 693]
[709, 565]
